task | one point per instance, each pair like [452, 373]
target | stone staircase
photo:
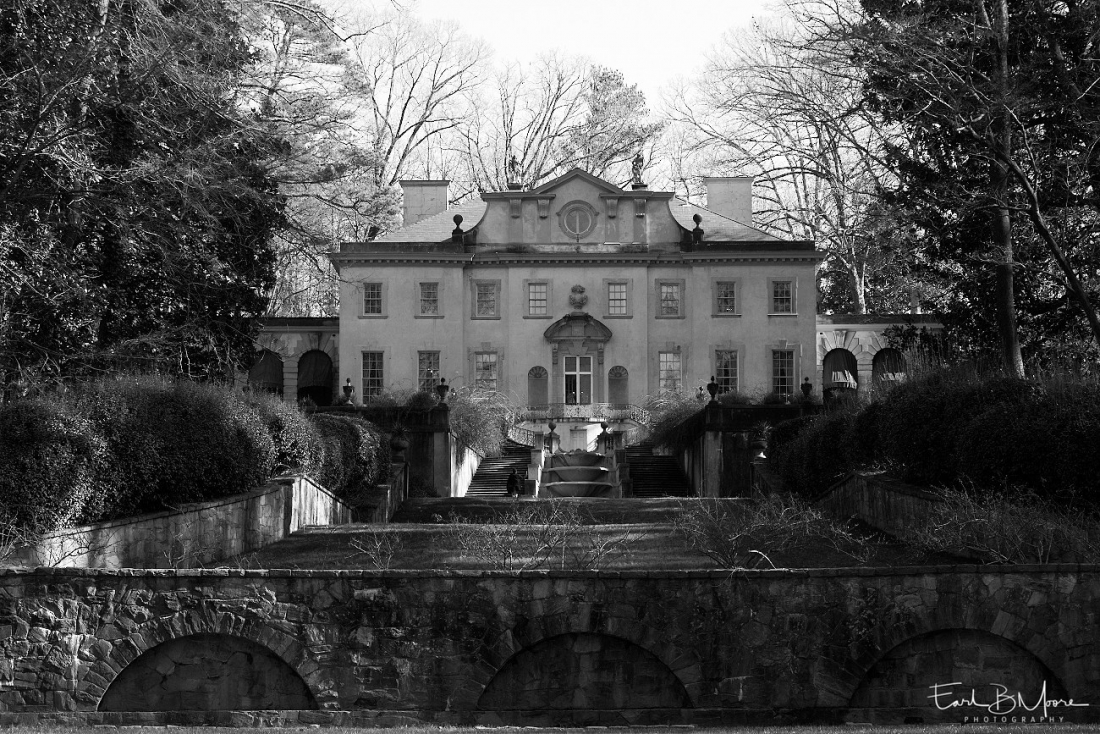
[655, 476]
[491, 478]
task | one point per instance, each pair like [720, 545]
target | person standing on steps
[513, 484]
[807, 388]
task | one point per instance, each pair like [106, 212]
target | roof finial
[697, 233]
[456, 235]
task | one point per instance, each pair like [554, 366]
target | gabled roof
[717, 228]
[438, 227]
[599, 183]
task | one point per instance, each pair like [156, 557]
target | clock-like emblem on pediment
[577, 297]
[577, 219]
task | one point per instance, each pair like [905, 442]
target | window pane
[727, 298]
[485, 370]
[616, 299]
[429, 299]
[669, 371]
[783, 371]
[536, 299]
[372, 298]
[427, 370]
[486, 299]
[372, 375]
[725, 367]
[670, 299]
[782, 297]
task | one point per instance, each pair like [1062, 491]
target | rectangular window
[578, 380]
[725, 370]
[427, 370]
[725, 298]
[372, 375]
[536, 299]
[616, 299]
[485, 370]
[486, 300]
[429, 299]
[782, 296]
[669, 372]
[783, 371]
[670, 299]
[372, 299]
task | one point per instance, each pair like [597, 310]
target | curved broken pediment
[577, 325]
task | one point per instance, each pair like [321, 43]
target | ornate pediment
[577, 325]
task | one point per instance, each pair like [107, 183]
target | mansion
[576, 292]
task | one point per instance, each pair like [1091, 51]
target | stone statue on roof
[513, 169]
[639, 161]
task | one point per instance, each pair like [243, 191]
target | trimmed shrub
[817, 455]
[928, 417]
[48, 460]
[172, 443]
[297, 445]
[353, 453]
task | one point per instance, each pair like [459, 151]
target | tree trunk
[1002, 218]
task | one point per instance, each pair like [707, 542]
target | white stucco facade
[616, 276]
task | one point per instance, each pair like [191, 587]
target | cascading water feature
[577, 474]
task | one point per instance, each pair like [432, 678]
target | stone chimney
[423, 199]
[730, 196]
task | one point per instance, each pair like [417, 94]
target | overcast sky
[650, 41]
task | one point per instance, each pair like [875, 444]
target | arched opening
[315, 377]
[898, 687]
[538, 387]
[887, 368]
[840, 375]
[207, 672]
[267, 374]
[618, 384]
[584, 671]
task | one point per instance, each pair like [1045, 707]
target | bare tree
[774, 105]
[554, 115]
[413, 78]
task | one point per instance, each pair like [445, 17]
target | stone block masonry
[545, 648]
[194, 535]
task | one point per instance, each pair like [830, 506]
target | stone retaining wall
[194, 536]
[887, 504]
[553, 648]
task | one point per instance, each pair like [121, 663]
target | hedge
[990, 433]
[119, 447]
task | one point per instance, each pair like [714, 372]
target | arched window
[315, 377]
[618, 384]
[887, 367]
[267, 374]
[538, 386]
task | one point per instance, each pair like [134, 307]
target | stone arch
[535, 627]
[584, 671]
[207, 672]
[315, 377]
[841, 671]
[953, 663]
[267, 374]
[887, 367]
[618, 385]
[839, 374]
[113, 650]
[538, 386]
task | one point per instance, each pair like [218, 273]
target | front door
[578, 380]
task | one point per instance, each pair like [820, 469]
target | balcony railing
[590, 411]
